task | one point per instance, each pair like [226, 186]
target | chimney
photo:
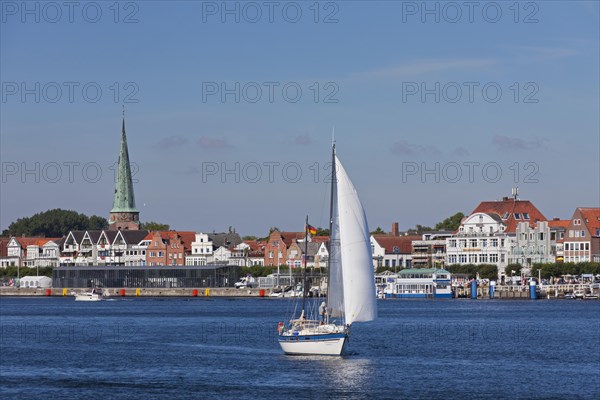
[395, 231]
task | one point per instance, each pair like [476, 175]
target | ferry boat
[419, 283]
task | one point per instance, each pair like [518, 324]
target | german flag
[312, 230]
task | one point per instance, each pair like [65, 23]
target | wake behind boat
[350, 280]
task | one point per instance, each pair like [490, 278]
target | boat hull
[325, 344]
[88, 297]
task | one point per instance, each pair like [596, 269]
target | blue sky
[369, 64]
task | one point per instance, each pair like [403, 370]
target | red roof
[289, 237]
[506, 210]
[404, 243]
[559, 223]
[320, 239]
[591, 218]
[187, 237]
[29, 241]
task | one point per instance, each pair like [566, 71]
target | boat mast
[330, 223]
[305, 263]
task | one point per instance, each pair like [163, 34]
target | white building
[202, 250]
[481, 239]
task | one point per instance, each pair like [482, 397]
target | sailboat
[350, 283]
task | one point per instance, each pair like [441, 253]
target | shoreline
[232, 292]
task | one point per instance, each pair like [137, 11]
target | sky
[230, 108]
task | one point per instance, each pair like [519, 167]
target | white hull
[315, 346]
[88, 297]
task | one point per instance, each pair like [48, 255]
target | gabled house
[201, 250]
[582, 239]
[32, 252]
[277, 246]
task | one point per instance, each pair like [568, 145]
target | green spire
[124, 199]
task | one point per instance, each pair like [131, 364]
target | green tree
[322, 232]
[96, 223]
[451, 223]
[249, 237]
[378, 231]
[54, 223]
[154, 226]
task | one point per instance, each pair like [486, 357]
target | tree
[419, 229]
[54, 223]
[249, 237]
[322, 232]
[451, 223]
[154, 226]
[378, 231]
[97, 223]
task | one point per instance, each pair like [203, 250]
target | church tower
[124, 215]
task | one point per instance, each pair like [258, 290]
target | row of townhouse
[126, 248]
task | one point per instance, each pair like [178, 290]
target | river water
[184, 348]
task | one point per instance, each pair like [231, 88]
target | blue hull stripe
[315, 338]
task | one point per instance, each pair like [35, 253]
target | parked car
[246, 282]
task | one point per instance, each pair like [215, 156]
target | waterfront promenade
[501, 292]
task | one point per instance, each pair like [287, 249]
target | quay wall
[140, 292]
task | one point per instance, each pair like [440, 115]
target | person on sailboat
[323, 311]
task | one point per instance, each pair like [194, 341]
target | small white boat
[91, 295]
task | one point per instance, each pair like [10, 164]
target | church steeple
[124, 215]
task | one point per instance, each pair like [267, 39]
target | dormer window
[517, 216]
[505, 216]
[526, 216]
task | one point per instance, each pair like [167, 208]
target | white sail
[356, 258]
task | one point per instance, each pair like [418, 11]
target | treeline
[555, 269]
[13, 272]
[54, 223]
[485, 271]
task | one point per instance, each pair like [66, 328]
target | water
[144, 348]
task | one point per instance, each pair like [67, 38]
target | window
[472, 258]
[587, 246]
[541, 235]
[463, 243]
[517, 216]
[472, 242]
[452, 243]
[494, 242]
[501, 242]
[483, 258]
[483, 243]
[525, 215]
[462, 258]
[505, 216]
[582, 233]
[570, 233]
[494, 258]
